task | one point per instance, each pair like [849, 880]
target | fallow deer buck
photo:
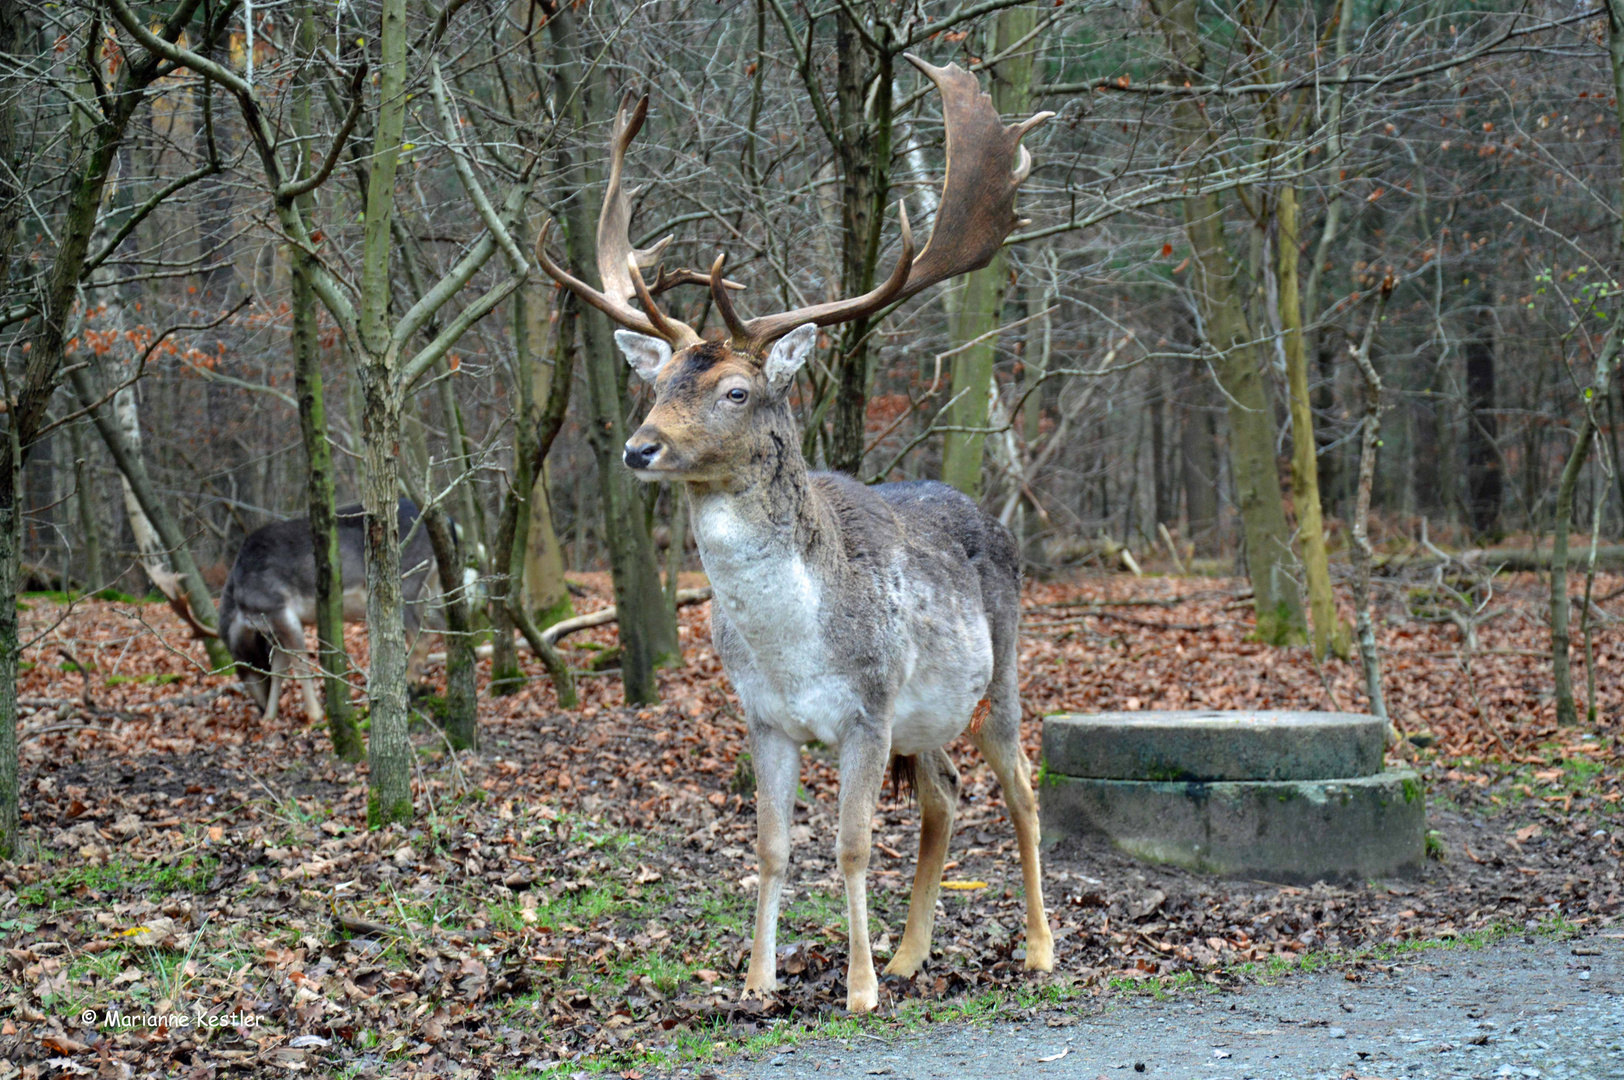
[879, 620]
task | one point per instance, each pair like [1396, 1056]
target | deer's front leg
[863, 757]
[777, 761]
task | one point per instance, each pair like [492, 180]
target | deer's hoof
[1040, 955]
[862, 1001]
[759, 987]
[905, 964]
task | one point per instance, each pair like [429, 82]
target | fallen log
[1511, 560]
[566, 627]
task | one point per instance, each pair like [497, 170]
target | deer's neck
[765, 512]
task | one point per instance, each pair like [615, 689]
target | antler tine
[618, 260]
[665, 280]
[724, 303]
[986, 164]
[666, 328]
[622, 314]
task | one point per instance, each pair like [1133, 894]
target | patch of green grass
[711, 1042]
[1558, 928]
[156, 679]
[667, 973]
[822, 908]
[60, 596]
[1469, 939]
[65, 890]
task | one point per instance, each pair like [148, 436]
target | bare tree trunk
[1561, 607]
[1156, 407]
[85, 504]
[389, 750]
[1362, 554]
[10, 562]
[976, 310]
[320, 506]
[461, 670]
[1198, 455]
[1600, 491]
[648, 634]
[863, 88]
[545, 594]
[319, 488]
[1228, 333]
[1483, 479]
[1328, 632]
[513, 527]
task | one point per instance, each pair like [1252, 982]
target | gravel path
[1526, 1008]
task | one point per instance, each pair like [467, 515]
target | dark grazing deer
[270, 597]
[880, 620]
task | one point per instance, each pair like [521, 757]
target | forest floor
[198, 895]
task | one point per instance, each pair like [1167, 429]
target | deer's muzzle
[641, 450]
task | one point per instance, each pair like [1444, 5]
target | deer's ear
[647, 355]
[787, 355]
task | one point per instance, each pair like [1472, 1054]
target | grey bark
[648, 633]
[320, 498]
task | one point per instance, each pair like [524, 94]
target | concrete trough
[1214, 745]
[1214, 793]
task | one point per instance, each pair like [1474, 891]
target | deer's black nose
[639, 454]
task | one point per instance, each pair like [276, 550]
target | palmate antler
[618, 262]
[976, 213]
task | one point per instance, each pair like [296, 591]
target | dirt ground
[577, 896]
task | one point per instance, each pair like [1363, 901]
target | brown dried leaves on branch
[585, 886]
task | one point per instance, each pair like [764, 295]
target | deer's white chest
[771, 611]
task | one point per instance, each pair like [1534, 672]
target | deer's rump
[961, 570]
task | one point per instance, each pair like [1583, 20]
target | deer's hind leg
[999, 741]
[936, 784]
[290, 647]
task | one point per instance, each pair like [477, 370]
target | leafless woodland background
[1477, 167]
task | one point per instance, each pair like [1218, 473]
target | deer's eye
[737, 395]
